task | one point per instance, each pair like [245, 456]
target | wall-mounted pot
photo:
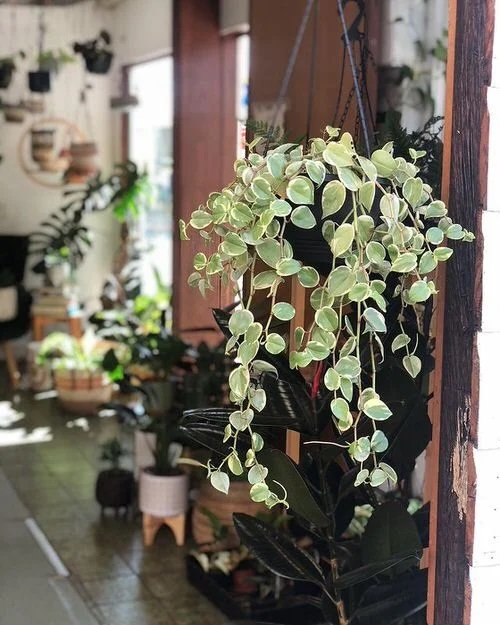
[6, 73]
[14, 113]
[39, 81]
[42, 144]
[98, 61]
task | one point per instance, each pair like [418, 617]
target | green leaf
[283, 311]
[284, 471]
[199, 261]
[365, 227]
[281, 208]
[434, 236]
[379, 442]
[384, 163]
[367, 195]
[341, 281]
[360, 450]
[435, 209]
[316, 171]
[257, 440]
[327, 319]
[259, 492]
[346, 388]
[376, 409]
[412, 191]
[264, 280]
[455, 232]
[234, 465]
[240, 321]
[300, 190]
[257, 473]
[350, 179]
[377, 477]
[389, 471]
[419, 291]
[412, 364]
[400, 341]
[359, 292]
[302, 217]
[247, 352]
[332, 380]
[361, 477]
[339, 408]
[427, 263]
[442, 253]
[348, 367]
[220, 481]
[320, 297]
[275, 343]
[239, 380]
[342, 239]
[405, 263]
[258, 401]
[288, 267]
[389, 205]
[375, 252]
[333, 198]
[337, 154]
[253, 332]
[308, 277]
[276, 164]
[214, 265]
[269, 251]
[183, 230]
[233, 245]
[318, 351]
[375, 321]
[261, 188]
[241, 214]
[200, 219]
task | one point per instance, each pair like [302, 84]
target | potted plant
[79, 379]
[114, 486]
[53, 60]
[340, 380]
[42, 144]
[14, 113]
[39, 81]
[164, 487]
[96, 53]
[58, 266]
[7, 69]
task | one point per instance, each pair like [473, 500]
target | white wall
[485, 569]
[23, 203]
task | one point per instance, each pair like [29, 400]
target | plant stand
[151, 524]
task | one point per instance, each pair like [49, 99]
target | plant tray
[217, 589]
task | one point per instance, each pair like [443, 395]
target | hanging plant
[386, 234]
[7, 69]
[96, 53]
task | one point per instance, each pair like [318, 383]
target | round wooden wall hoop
[38, 176]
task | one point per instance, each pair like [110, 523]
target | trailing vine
[383, 227]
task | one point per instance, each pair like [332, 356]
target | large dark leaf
[291, 403]
[368, 571]
[391, 602]
[284, 471]
[276, 550]
[390, 530]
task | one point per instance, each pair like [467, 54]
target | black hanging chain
[312, 68]
[289, 68]
[354, 69]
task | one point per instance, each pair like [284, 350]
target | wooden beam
[464, 175]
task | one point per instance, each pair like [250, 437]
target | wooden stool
[40, 321]
[151, 525]
[10, 359]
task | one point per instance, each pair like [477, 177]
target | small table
[74, 322]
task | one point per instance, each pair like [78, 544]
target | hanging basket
[6, 74]
[39, 81]
[98, 61]
[83, 162]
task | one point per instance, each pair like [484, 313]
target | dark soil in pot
[114, 488]
[309, 246]
[98, 62]
[39, 82]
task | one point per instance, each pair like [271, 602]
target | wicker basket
[82, 391]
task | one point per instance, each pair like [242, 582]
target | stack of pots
[42, 146]
[83, 161]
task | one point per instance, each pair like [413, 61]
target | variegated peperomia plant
[383, 226]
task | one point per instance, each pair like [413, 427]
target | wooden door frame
[455, 403]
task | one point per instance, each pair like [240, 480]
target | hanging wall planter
[7, 69]
[39, 81]
[42, 144]
[83, 161]
[96, 53]
[14, 113]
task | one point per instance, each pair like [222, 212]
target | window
[150, 147]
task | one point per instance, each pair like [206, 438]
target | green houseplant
[363, 410]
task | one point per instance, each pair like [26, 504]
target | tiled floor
[121, 581]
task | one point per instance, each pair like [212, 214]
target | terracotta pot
[223, 507]
[163, 495]
[14, 113]
[144, 445]
[82, 391]
[83, 158]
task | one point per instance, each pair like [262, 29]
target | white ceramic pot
[144, 445]
[59, 274]
[163, 495]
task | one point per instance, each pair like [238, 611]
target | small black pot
[114, 488]
[309, 246]
[98, 61]
[39, 82]
[6, 73]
